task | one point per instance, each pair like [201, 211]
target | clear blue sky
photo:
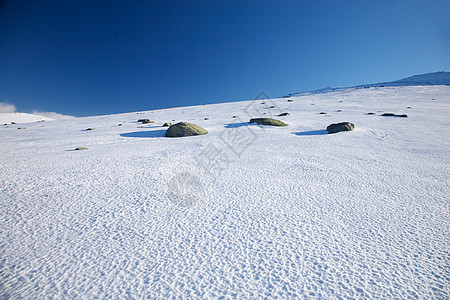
[98, 57]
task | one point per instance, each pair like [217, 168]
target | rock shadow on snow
[312, 132]
[144, 134]
[235, 125]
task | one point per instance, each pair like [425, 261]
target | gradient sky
[92, 57]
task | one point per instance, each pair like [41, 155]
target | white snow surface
[243, 212]
[21, 118]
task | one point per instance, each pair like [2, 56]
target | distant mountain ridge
[435, 78]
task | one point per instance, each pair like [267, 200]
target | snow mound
[21, 118]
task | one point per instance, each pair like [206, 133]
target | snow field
[298, 213]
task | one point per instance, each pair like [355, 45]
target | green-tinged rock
[268, 121]
[185, 129]
[338, 127]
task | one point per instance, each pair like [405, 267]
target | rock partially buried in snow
[394, 115]
[268, 121]
[145, 121]
[284, 114]
[185, 129]
[81, 148]
[338, 127]
[167, 124]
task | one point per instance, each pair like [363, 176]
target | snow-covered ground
[242, 212]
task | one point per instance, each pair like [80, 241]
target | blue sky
[92, 57]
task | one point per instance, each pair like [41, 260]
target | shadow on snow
[145, 134]
[240, 124]
[313, 132]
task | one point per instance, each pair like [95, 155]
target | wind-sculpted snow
[245, 211]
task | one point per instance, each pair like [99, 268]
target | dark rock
[21, 128]
[89, 129]
[394, 115]
[206, 118]
[81, 148]
[145, 121]
[120, 125]
[272, 106]
[339, 110]
[284, 114]
[290, 100]
[268, 121]
[322, 113]
[182, 129]
[13, 123]
[167, 124]
[234, 117]
[338, 127]
[371, 114]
